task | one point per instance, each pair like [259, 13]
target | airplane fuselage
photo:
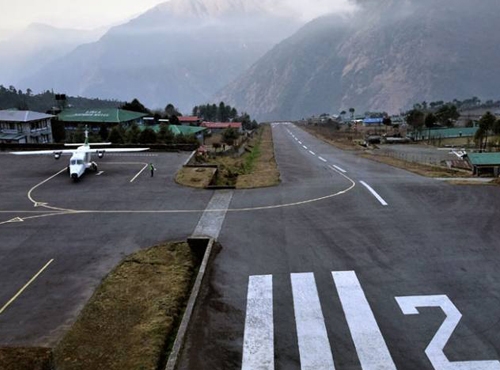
[79, 162]
[81, 157]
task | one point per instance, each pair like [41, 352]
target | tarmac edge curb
[181, 333]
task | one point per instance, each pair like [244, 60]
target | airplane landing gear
[94, 167]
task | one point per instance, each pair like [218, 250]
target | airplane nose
[74, 176]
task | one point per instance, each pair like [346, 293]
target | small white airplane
[81, 159]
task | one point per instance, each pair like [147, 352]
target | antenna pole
[86, 135]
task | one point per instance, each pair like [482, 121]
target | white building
[25, 127]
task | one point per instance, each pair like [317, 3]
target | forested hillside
[11, 98]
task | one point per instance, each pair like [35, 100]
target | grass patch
[495, 181]
[26, 359]
[255, 168]
[196, 177]
[250, 158]
[130, 321]
[340, 139]
[260, 169]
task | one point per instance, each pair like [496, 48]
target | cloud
[311, 9]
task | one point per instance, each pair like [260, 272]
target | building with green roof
[94, 118]
[444, 133]
[484, 163]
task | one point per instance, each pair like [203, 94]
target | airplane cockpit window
[73, 161]
[79, 161]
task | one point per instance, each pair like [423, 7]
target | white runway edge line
[305, 147]
[374, 193]
[370, 345]
[258, 342]
[211, 222]
[312, 152]
[322, 159]
[314, 347]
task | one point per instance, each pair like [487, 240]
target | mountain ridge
[161, 57]
[382, 58]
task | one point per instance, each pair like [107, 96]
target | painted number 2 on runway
[434, 350]
[314, 347]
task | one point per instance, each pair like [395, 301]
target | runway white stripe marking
[305, 147]
[322, 159]
[314, 347]
[300, 142]
[374, 193]
[258, 343]
[312, 152]
[370, 345]
[211, 221]
[340, 169]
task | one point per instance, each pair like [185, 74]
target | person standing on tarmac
[152, 169]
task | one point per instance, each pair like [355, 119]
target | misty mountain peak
[220, 8]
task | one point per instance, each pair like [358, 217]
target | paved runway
[348, 264]
[360, 280]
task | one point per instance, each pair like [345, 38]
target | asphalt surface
[308, 273]
[88, 227]
[433, 241]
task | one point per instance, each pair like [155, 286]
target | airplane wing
[44, 152]
[117, 150]
[71, 151]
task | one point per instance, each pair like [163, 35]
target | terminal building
[95, 118]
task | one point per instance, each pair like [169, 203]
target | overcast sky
[90, 14]
[81, 14]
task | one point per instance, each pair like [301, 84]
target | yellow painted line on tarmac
[25, 287]
[39, 204]
[294, 204]
[63, 211]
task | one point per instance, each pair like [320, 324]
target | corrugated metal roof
[108, 115]
[22, 116]
[191, 119]
[185, 130]
[484, 159]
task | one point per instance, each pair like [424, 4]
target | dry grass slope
[265, 170]
[130, 321]
[26, 359]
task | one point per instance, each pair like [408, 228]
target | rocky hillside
[179, 52]
[385, 57]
